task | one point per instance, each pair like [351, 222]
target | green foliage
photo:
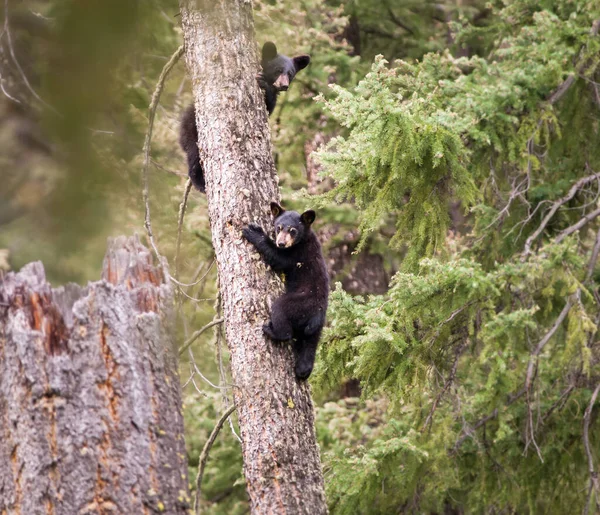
[400, 156]
[464, 119]
[473, 317]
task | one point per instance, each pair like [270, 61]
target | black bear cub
[300, 312]
[278, 71]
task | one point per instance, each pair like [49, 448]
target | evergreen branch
[197, 334]
[172, 172]
[147, 142]
[594, 483]
[552, 99]
[555, 207]
[560, 91]
[204, 455]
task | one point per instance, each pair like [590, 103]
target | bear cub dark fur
[299, 313]
[278, 71]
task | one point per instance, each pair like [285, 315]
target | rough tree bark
[281, 456]
[90, 404]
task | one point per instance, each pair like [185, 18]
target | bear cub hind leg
[280, 326]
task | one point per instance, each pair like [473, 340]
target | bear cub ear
[308, 217]
[276, 209]
[301, 62]
[269, 51]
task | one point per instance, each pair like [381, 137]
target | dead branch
[468, 431]
[540, 346]
[197, 334]
[459, 350]
[15, 60]
[182, 206]
[204, 455]
[575, 227]
[147, 143]
[594, 483]
[594, 258]
[555, 207]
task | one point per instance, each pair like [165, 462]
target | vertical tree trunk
[90, 404]
[281, 457]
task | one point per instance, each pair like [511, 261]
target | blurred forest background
[451, 148]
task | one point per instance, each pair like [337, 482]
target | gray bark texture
[281, 456]
[90, 401]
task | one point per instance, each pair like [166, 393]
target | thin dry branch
[218, 331]
[594, 483]
[197, 334]
[195, 279]
[182, 206]
[553, 98]
[555, 207]
[147, 143]
[204, 455]
[532, 367]
[594, 258]
[15, 60]
[542, 343]
[575, 227]
[468, 431]
[458, 352]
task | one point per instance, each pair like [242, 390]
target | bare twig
[204, 455]
[197, 334]
[469, 431]
[147, 143]
[552, 99]
[542, 343]
[172, 172]
[532, 367]
[594, 258]
[575, 227]
[222, 377]
[560, 91]
[459, 350]
[204, 378]
[556, 206]
[559, 403]
[182, 206]
[15, 60]
[196, 281]
[594, 484]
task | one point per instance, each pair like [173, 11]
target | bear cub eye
[293, 231]
[279, 228]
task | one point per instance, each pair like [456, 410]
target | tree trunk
[90, 404]
[281, 456]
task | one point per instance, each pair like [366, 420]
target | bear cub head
[290, 227]
[278, 69]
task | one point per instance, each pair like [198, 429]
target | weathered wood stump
[90, 401]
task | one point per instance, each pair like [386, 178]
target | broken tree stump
[90, 400]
